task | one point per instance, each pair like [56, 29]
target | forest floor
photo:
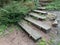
[16, 36]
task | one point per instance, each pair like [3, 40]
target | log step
[46, 28]
[37, 16]
[42, 8]
[32, 32]
[38, 11]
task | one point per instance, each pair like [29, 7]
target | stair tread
[45, 0]
[38, 23]
[32, 32]
[39, 11]
[43, 8]
[37, 15]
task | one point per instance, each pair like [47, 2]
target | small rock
[55, 23]
[51, 16]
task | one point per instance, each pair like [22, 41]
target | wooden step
[37, 16]
[46, 28]
[38, 11]
[32, 32]
[45, 0]
[42, 8]
[43, 3]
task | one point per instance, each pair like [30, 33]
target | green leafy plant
[15, 12]
[42, 42]
[55, 5]
[2, 29]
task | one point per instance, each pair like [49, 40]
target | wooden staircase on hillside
[35, 22]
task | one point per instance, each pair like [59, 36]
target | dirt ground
[16, 37]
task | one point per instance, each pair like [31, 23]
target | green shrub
[16, 11]
[2, 29]
[42, 42]
[55, 5]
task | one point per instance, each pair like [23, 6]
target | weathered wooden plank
[32, 32]
[43, 3]
[42, 8]
[38, 16]
[40, 24]
[46, 0]
[42, 12]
